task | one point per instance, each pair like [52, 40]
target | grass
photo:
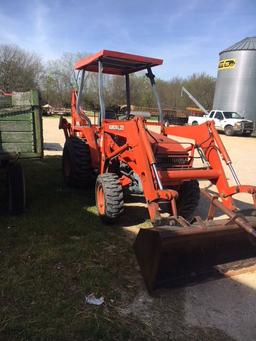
[58, 251]
[55, 254]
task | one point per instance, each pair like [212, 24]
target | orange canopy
[116, 63]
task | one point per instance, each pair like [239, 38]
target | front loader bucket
[177, 256]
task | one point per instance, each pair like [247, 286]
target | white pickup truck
[229, 122]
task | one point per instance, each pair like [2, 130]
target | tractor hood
[164, 145]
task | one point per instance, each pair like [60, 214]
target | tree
[202, 87]
[59, 78]
[19, 70]
[169, 92]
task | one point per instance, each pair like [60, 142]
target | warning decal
[227, 64]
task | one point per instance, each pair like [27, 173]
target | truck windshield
[230, 114]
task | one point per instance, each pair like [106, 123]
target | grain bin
[236, 81]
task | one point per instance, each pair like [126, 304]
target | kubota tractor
[127, 153]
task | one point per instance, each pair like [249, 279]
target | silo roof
[245, 44]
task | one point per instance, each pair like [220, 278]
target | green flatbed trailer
[20, 138]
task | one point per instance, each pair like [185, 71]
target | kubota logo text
[115, 127]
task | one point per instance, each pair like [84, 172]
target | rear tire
[16, 188]
[229, 131]
[188, 200]
[76, 163]
[194, 123]
[109, 197]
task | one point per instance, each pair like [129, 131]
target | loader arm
[128, 143]
[207, 138]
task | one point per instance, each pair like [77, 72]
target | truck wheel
[109, 197]
[248, 134]
[189, 196]
[76, 163]
[16, 188]
[229, 131]
[194, 123]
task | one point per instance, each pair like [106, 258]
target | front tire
[109, 197]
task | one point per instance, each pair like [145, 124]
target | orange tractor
[129, 154]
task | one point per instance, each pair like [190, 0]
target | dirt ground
[225, 308]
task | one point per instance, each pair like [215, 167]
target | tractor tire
[76, 163]
[188, 200]
[16, 188]
[109, 197]
[229, 131]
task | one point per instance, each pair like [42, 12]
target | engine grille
[248, 125]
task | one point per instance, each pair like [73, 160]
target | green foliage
[59, 78]
[202, 87]
[19, 69]
[58, 251]
[54, 255]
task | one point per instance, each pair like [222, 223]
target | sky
[187, 34]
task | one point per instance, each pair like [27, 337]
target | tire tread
[113, 193]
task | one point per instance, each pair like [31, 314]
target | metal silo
[236, 81]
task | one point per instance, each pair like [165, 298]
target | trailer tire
[16, 188]
[109, 197]
[229, 131]
[188, 200]
[76, 163]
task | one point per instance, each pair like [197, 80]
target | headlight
[238, 125]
